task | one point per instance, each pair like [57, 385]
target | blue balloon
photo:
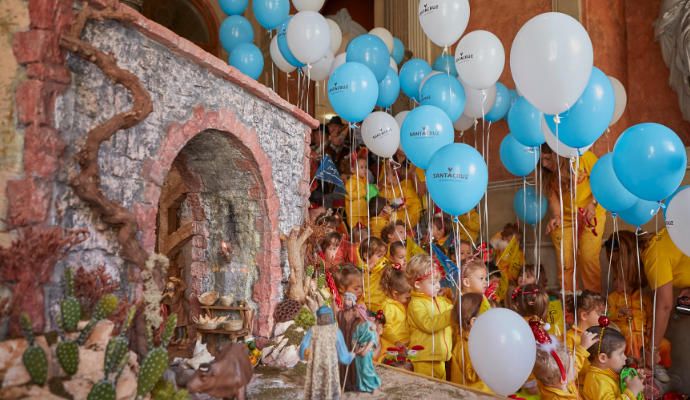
[519, 160]
[247, 58]
[606, 187]
[389, 89]
[233, 7]
[371, 51]
[528, 206]
[234, 30]
[411, 75]
[501, 105]
[668, 200]
[425, 130]
[457, 178]
[524, 122]
[650, 161]
[444, 92]
[584, 122]
[398, 50]
[353, 91]
[640, 213]
[283, 45]
[446, 64]
[270, 13]
[513, 96]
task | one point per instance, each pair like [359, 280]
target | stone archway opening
[210, 216]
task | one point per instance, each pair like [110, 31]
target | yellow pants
[438, 368]
[589, 248]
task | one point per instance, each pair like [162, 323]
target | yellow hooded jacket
[603, 384]
[429, 320]
[465, 374]
[373, 295]
[395, 330]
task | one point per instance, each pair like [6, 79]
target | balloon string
[287, 86]
[639, 278]
[656, 291]
[561, 211]
[366, 191]
[486, 194]
[433, 299]
[524, 224]
[458, 240]
[407, 215]
[273, 71]
[575, 236]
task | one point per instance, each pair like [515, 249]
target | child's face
[399, 257]
[465, 251]
[526, 279]
[429, 286]
[355, 287]
[375, 258]
[361, 167]
[402, 298]
[475, 282]
[616, 361]
[437, 232]
[590, 318]
[332, 249]
[400, 233]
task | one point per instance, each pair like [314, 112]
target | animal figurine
[226, 377]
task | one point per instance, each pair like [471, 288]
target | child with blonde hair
[473, 279]
[590, 306]
[429, 317]
[373, 261]
[395, 331]
[461, 370]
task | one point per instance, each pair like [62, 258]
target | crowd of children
[426, 279]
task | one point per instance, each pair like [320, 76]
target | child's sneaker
[661, 375]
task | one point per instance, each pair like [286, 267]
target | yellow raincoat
[413, 248]
[573, 339]
[395, 330]
[373, 295]
[589, 244]
[604, 384]
[376, 225]
[552, 393]
[413, 206]
[630, 327]
[464, 374]
[470, 221]
[429, 320]
[664, 263]
[356, 206]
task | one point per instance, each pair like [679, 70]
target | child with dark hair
[607, 359]
[394, 284]
[333, 250]
[372, 253]
[397, 254]
[379, 215]
[461, 370]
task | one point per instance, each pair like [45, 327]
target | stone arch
[266, 290]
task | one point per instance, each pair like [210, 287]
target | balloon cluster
[236, 34]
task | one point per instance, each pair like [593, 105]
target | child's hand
[634, 383]
[588, 339]
[554, 223]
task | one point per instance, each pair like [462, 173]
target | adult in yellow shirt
[667, 268]
[401, 195]
[591, 223]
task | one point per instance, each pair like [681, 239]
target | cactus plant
[156, 361]
[68, 356]
[102, 390]
[105, 306]
[70, 309]
[118, 346]
[34, 358]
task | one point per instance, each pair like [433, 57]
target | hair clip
[603, 323]
[518, 291]
[396, 266]
[546, 344]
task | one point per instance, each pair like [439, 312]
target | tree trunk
[296, 249]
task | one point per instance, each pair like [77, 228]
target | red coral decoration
[27, 264]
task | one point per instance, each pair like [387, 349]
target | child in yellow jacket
[461, 370]
[372, 252]
[401, 195]
[607, 359]
[473, 280]
[429, 318]
[590, 306]
[395, 331]
[356, 205]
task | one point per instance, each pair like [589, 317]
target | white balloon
[557, 146]
[551, 60]
[339, 60]
[444, 21]
[502, 350]
[321, 69]
[308, 5]
[621, 99]
[336, 35]
[400, 117]
[381, 134]
[678, 220]
[278, 58]
[385, 35]
[478, 102]
[479, 59]
[308, 36]
[464, 123]
[394, 65]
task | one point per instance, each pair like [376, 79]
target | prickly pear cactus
[68, 356]
[156, 361]
[118, 346]
[70, 310]
[103, 390]
[105, 306]
[34, 358]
